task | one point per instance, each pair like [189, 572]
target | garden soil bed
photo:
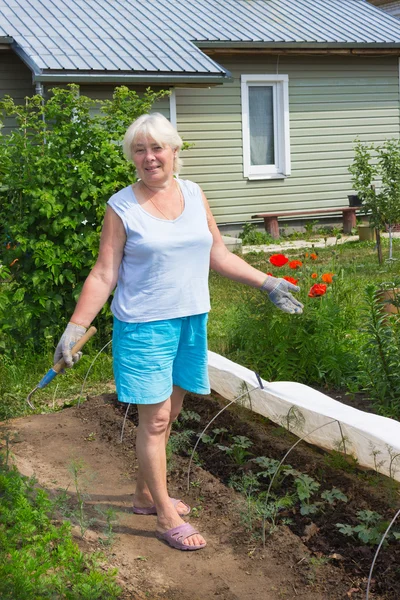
[308, 559]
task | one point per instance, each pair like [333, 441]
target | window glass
[261, 124]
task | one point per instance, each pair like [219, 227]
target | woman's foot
[164, 525]
[146, 502]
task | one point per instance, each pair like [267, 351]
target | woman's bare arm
[102, 279]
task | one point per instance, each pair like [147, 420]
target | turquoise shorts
[150, 358]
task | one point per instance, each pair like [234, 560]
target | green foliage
[370, 528]
[250, 236]
[38, 559]
[379, 369]
[238, 449]
[312, 347]
[59, 167]
[381, 164]
[306, 487]
[333, 496]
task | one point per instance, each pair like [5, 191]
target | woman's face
[154, 163]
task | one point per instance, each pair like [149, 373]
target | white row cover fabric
[373, 440]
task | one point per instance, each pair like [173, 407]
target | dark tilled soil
[306, 559]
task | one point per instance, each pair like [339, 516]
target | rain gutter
[118, 77]
[277, 45]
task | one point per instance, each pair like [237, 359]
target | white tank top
[165, 266]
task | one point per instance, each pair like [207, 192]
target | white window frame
[281, 167]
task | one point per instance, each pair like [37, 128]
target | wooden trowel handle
[78, 346]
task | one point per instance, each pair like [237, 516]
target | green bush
[38, 559]
[59, 166]
[251, 236]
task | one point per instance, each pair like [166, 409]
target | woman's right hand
[69, 338]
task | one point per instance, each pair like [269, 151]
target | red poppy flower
[314, 256]
[318, 289]
[278, 260]
[291, 280]
[295, 264]
[327, 277]
[269, 274]
[314, 275]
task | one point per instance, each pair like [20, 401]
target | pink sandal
[175, 537]
[151, 510]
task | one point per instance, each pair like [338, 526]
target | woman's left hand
[279, 292]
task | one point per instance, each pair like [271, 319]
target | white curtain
[261, 118]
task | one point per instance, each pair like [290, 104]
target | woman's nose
[149, 154]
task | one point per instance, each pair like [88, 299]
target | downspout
[39, 91]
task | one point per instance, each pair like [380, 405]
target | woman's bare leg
[142, 496]
[154, 420]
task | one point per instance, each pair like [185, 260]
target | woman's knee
[156, 423]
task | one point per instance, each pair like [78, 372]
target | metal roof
[160, 38]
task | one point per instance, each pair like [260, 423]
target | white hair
[154, 126]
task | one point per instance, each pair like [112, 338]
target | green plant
[306, 487]
[380, 365]
[237, 450]
[248, 485]
[110, 516]
[38, 559]
[370, 529]
[270, 466]
[310, 228]
[382, 205]
[59, 167]
[333, 496]
[211, 439]
[251, 237]
[276, 511]
[180, 442]
[77, 468]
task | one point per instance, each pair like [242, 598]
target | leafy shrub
[379, 371]
[251, 236]
[38, 559]
[59, 166]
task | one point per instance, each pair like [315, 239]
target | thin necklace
[159, 210]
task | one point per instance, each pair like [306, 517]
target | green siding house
[271, 93]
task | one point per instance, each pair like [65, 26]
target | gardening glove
[278, 291]
[71, 335]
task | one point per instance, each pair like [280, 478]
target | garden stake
[377, 552]
[281, 463]
[55, 370]
[259, 386]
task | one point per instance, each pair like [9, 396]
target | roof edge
[150, 78]
[294, 45]
[6, 39]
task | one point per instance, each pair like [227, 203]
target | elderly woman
[158, 241]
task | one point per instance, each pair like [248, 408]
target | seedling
[333, 496]
[306, 487]
[370, 529]
[238, 449]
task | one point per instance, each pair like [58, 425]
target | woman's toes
[195, 540]
[182, 509]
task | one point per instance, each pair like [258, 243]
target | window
[265, 122]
